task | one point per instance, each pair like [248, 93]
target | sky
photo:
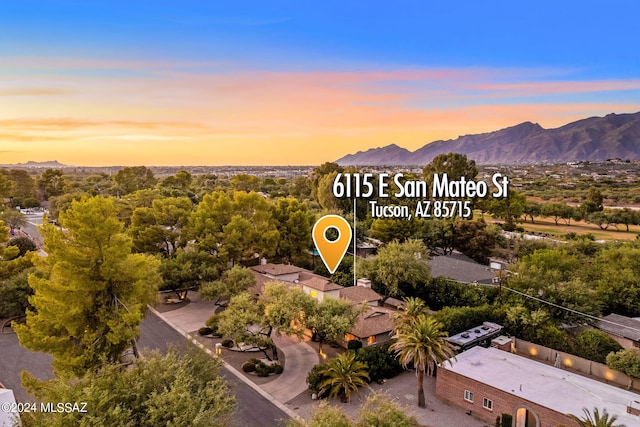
[298, 83]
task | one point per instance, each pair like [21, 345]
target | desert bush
[248, 366]
[204, 331]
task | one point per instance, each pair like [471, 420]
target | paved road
[15, 359]
[252, 409]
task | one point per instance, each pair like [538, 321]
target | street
[251, 409]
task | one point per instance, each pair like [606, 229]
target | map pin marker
[330, 251]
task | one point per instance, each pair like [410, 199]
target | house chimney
[365, 283]
[263, 261]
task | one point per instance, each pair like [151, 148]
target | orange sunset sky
[278, 87]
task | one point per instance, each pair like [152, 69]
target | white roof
[6, 418]
[534, 381]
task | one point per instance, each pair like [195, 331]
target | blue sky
[430, 61]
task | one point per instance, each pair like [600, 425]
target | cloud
[34, 92]
[560, 87]
[77, 123]
[21, 137]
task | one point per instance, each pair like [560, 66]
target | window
[487, 404]
[468, 396]
[371, 340]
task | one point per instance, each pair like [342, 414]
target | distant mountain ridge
[32, 164]
[591, 139]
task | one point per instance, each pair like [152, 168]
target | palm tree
[597, 419]
[345, 374]
[423, 343]
[413, 307]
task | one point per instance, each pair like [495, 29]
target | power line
[570, 309]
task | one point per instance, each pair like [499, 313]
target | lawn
[548, 225]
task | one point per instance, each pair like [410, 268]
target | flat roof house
[480, 335]
[489, 382]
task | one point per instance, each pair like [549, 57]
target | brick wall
[450, 387]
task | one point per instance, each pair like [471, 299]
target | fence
[574, 363]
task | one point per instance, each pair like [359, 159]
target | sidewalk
[299, 357]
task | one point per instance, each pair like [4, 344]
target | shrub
[212, 323]
[315, 378]
[204, 331]
[595, 345]
[23, 244]
[262, 370]
[354, 344]
[254, 361]
[382, 364]
[278, 369]
[227, 343]
[248, 366]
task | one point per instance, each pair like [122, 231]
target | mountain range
[591, 139]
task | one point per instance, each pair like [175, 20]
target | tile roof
[375, 321]
[277, 269]
[320, 283]
[359, 294]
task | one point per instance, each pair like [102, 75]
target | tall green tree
[91, 293]
[455, 165]
[280, 310]
[593, 202]
[332, 318]
[51, 182]
[134, 178]
[397, 266]
[158, 228]
[509, 208]
[233, 282]
[234, 229]
[23, 188]
[423, 344]
[408, 314]
[13, 218]
[293, 221]
[180, 389]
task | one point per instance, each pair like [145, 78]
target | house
[318, 287]
[488, 382]
[362, 293]
[372, 327]
[7, 399]
[281, 272]
[625, 330]
[461, 268]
